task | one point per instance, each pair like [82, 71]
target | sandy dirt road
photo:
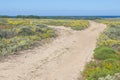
[62, 59]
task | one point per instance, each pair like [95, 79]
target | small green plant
[102, 53]
[95, 70]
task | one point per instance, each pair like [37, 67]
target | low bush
[25, 31]
[95, 70]
[9, 46]
[113, 32]
[102, 53]
[6, 33]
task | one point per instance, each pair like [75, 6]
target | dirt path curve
[62, 59]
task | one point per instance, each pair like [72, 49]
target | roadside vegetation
[74, 24]
[106, 64]
[18, 34]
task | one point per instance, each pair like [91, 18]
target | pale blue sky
[59, 7]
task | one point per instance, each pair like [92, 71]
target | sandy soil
[62, 59]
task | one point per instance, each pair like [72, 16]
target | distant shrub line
[74, 24]
[52, 17]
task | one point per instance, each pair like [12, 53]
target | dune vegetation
[74, 24]
[18, 34]
[106, 62]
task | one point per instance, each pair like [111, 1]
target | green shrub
[45, 35]
[9, 46]
[95, 70]
[25, 31]
[77, 28]
[113, 32]
[6, 33]
[102, 53]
